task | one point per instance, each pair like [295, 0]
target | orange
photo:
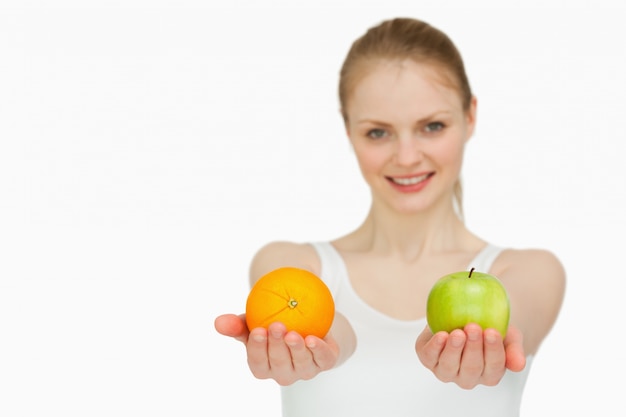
[295, 297]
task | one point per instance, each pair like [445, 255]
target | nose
[408, 151]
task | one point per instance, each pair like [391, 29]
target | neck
[411, 235]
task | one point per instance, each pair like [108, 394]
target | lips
[408, 181]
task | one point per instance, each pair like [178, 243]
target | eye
[376, 133]
[434, 127]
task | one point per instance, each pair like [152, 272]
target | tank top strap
[332, 265]
[485, 258]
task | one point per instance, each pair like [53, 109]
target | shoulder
[535, 280]
[278, 254]
[531, 262]
[532, 274]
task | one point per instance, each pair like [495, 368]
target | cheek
[450, 153]
[370, 159]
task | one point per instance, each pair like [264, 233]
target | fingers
[428, 347]
[472, 359]
[281, 362]
[514, 346]
[258, 360]
[449, 364]
[467, 357]
[277, 349]
[233, 326]
[301, 357]
[324, 352]
[495, 357]
[286, 357]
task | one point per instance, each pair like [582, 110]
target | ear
[470, 118]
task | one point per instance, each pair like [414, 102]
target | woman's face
[408, 130]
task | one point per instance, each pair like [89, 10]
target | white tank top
[384, 377]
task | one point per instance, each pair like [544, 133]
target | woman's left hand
[471, 356]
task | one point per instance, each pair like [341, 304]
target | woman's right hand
[274, 353]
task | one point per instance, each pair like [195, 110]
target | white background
[148, 148]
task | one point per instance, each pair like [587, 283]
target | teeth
[409, 181]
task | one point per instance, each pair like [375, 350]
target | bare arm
[535, 281]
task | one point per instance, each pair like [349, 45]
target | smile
[410, 180]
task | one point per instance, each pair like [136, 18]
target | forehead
[399, 86]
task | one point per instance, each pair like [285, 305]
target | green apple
[468, 297]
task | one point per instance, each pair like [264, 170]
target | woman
[409, 112]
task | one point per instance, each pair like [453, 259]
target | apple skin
[466, 297]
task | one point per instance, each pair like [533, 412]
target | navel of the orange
[295, 297]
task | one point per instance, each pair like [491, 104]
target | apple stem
[470, 274]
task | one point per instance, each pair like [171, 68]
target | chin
[409, 204]
[407, 207]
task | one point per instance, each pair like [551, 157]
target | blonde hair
[400, 39]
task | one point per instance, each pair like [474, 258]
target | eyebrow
[434, 115]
